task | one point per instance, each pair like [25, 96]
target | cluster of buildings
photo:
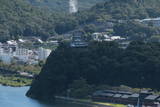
[144, 98]
[79, 41]
[11, 52]
[104, 37]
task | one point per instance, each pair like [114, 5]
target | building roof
[125, 96]
[117, 95]
[151, 97]
[125, 92]
[158, 99]
[108, 94]
[135, 95]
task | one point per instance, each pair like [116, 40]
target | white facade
[43, 53]
[23, 58]
[10, 53]
[97, 36]
[22, 52]
[6, 58]
[154, 21]
[1, 51]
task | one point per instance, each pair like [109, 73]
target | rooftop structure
[104, 37]
[151, 97]
[124, 97]
[78, 40]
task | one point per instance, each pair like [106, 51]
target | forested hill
[19, 18]
[63, 5]
[102, 63]
[126, 9]
[111, 10]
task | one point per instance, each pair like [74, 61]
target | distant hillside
[111, 10]
[19, 18]
[127, 9]
[63, 5]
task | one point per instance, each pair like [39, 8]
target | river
[15, 97]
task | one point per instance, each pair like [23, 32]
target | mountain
[63, 5]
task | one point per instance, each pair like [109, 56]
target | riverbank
[17, 75]
[15, 81]
[87, 103]
[15, 97]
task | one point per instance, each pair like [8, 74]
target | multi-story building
[43, 53]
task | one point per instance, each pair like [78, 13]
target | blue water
[15, 97]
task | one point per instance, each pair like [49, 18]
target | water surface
[15, 97]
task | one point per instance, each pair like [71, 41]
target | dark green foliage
[128, 9]
[110, 10]
[80, 89]
[99, 64]
[63, 5]
[135, 30]
[20, 18]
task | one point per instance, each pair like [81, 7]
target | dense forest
[128, 9]
[20, 18]
[137, 31]
[101, 63]
[111, 10]
[63, 5]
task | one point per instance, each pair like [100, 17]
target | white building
[43, 53]
[97, 36]
[12, 42]
[151, 21]
[1, 51]
[22, 52]
[23, 58]
[6, 58]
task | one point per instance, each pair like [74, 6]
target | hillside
[111, 10]
[19, 18]
[126, 9]
[102, 63]
[63, 5]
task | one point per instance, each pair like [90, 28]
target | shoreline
[85, 102]
[16, 86]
